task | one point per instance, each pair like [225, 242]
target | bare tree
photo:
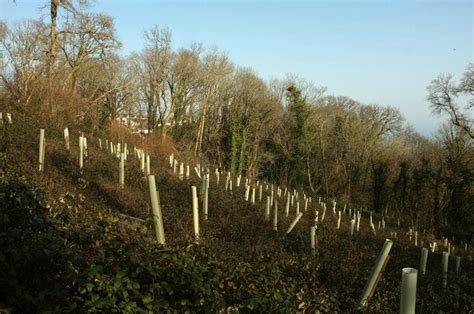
[444, 94]
[54, 6]
[183, 81]
[152, 67]
[87, 37]
[215, 70]
[22, 48]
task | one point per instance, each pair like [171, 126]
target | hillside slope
[69, 244]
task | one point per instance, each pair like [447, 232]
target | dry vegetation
[67, 243]
[67, 248]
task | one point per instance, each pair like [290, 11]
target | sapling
[373, 229]
[351, 228]
[197, 172]
[358, 221]
[181, 171]
[122, 170]
[187, 171]
[247, 190]
[156, 210]
[175, 167]
[253, 196]
[297, 207]
[148, 170]
[81, 152]
[203, 184]
[206, 196]
[267, 209]
[100, 144]
[227, 183]
[66, 138]
[375, 275]
[260, 193]
[9, 118]
[195, 213]
[41, 151]
[324, 213]
[275, 216]
[287, 207]
[294, 222]
[339, 220]
[424, 258]
[312, 237]
[457, 260]
[445, 260]
[408, 294]
[84, 143]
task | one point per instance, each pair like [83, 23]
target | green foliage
[298, 110]
[33, 253]
[69, 250]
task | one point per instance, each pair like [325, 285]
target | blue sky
[383, 52]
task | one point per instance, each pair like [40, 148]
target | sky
[376, 52]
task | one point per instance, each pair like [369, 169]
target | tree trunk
[243, 149]
[53, 38]
[199, 137]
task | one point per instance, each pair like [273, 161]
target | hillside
[74, 241]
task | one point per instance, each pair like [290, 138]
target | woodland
[67, 70]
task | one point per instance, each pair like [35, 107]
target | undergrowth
[68, 246]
